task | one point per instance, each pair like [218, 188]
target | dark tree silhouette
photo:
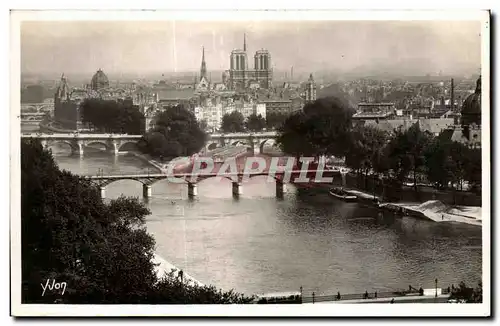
[233, 122]
[321, 128]
[112, 116]
[275, 120]
[101, 251]
[255, 122]
[176, 133]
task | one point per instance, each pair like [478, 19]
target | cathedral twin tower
[239, 77]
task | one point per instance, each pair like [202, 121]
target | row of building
[248, 91]
[462, 122]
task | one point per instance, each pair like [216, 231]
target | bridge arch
[268, 141]
[238, 142]
[206, 177]
[29, 109]
[52, 143]
[45, 108]
[212, 146]
[99, 142]
[128, 145]
[111, 181]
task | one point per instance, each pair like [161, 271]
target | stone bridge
[251, 140]
[281, 177]
[37, 107]
[112, 142]
[28, 117]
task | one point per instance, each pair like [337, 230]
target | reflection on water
[261, 244]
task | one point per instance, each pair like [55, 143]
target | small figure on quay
[375, 294]
[421, 291]
[366, 295]
[392, 301]
[338, 295]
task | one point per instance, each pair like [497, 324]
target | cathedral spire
[203, 70]
[244, 42]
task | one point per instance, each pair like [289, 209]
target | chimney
[452, 100]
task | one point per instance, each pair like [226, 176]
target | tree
[470, 295]
[365, 149]
[473, 170]
[203, 125]
[406, 153]
[321, 128]
[438, 161]
[292, 136]
[174, 290]
[255, 122]
[233, 122]
[329, 124]
[119, 116]
[100, 250]
[275, 120]
[176, 133]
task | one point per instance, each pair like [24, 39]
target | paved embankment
[406, 299]
[166, 267]
[436, 211]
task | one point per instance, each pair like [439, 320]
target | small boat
[342, 195]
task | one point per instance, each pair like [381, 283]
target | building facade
[310, 93]
[240, 77]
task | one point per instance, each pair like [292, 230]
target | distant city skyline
[394, 47]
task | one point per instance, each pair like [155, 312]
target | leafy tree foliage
[366, 146]
[275, 120]
[69, 234]
[101, 250]
[292, 136]
[112, 116]
[438, 160]
[203, 125]
[176, 133]
[474, 168]
[321, 128]
[449, 162]
[172, 289]
[406, 153]
[255, 122]
[233, 122]
[470, 295]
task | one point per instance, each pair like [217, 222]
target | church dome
[99, 81]
[471, 108]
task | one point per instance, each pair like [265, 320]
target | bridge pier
[80, 149]
[280, 188]
[146, 191]
[237, 189]
[103, 192]
[343, 176]
[192, 189]
[114, 148]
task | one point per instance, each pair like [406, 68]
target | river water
[262, 244]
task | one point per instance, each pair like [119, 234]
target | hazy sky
[149, 47]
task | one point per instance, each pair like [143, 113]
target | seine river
[261, 244]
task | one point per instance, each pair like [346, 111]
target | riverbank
[164, 267]
[433, 210]
[436, 211]
[148, 159]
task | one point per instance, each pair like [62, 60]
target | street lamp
[436, 294]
